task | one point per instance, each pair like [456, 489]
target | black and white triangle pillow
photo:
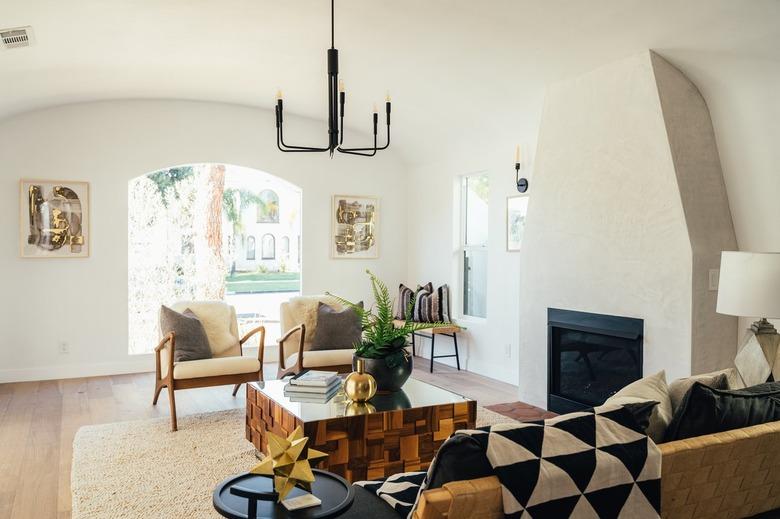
[594, 463]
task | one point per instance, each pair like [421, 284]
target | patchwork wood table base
[364, 447]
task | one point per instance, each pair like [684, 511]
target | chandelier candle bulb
[278, 94]
[341, 85]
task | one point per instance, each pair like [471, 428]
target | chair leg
[455, 340]
[433, 341]
[172, 400]
[235, 389]
[414, 353]
[157, 393]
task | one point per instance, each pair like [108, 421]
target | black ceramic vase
[387, 378]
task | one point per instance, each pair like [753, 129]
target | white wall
[488, 346]
[84, 301]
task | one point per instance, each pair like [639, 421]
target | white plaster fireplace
[628, 213]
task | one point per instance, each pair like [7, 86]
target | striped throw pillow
[432, 306]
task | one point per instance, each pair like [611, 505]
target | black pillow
[461, 457]
[705, 410]
[190, 337]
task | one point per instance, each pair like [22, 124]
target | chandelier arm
[357, 151]
[289, 147]
[387, 144]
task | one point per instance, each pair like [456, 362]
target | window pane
[475, 282]
[476, 191]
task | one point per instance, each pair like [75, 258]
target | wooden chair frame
[298, 366]
[169, 342]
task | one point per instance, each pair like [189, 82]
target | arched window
[268, 207]
[285, 246]
[268, 245]
[250, 248]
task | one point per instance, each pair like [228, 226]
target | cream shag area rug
[140, 469]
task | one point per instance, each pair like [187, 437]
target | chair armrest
[260, 344]
[471, 499]
[168, 340]
[300, 328]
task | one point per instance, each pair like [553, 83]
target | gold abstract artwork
[53, 219]
[283, 461]
[354, 227]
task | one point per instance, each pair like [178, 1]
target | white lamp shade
[749, 284]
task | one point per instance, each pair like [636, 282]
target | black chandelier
[336, 99]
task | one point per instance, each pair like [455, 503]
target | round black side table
[248, 496]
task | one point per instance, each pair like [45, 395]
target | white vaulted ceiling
[463, 74]
[457, 70]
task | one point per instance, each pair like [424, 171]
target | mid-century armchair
[227, 365]
[299, 325]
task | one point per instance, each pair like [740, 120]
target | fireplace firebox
[590, 357]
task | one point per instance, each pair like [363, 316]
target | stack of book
[313, 386]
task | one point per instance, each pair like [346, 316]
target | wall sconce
[521, 182]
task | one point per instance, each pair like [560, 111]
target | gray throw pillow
[678, 388]
[191, 340]
[336, 330]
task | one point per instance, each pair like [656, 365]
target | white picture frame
[354, 227]
[516, 211]
[54, 219]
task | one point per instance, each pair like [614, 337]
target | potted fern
[383, 346]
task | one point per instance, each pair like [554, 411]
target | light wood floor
[38, 421]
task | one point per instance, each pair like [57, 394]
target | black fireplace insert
[590, 357]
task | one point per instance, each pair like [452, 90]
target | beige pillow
[678, 388]
[653, 388]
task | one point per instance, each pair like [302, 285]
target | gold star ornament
[284, 464]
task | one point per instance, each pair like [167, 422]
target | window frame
[273, 247]
[464, 247]
[251, 240]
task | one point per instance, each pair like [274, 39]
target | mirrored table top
[414, 394]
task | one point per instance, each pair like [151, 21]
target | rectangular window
[474, 239]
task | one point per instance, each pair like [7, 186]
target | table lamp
[749, 286]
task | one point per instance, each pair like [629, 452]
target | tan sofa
[726, 475]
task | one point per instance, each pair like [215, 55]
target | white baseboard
[134, 364]
[141, 365]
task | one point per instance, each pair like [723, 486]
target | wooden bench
[431, 333]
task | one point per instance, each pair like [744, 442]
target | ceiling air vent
[16, 37]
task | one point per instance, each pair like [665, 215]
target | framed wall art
[54, 219]
[354, 232]
[516, 209]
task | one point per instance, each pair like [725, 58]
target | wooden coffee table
[402, 434]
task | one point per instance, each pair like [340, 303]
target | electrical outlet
[714, 279]
[64, 348]
[507, 350]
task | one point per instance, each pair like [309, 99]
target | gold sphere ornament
[358, 408]
[284, 464]
[359, 385]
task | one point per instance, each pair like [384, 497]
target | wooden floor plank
[39, 420]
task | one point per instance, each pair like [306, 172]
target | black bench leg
[433, 341]
[455, 340]
[414, 353]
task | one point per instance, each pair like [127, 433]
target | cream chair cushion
[219, 320]
[213, 367]
[315, 359]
